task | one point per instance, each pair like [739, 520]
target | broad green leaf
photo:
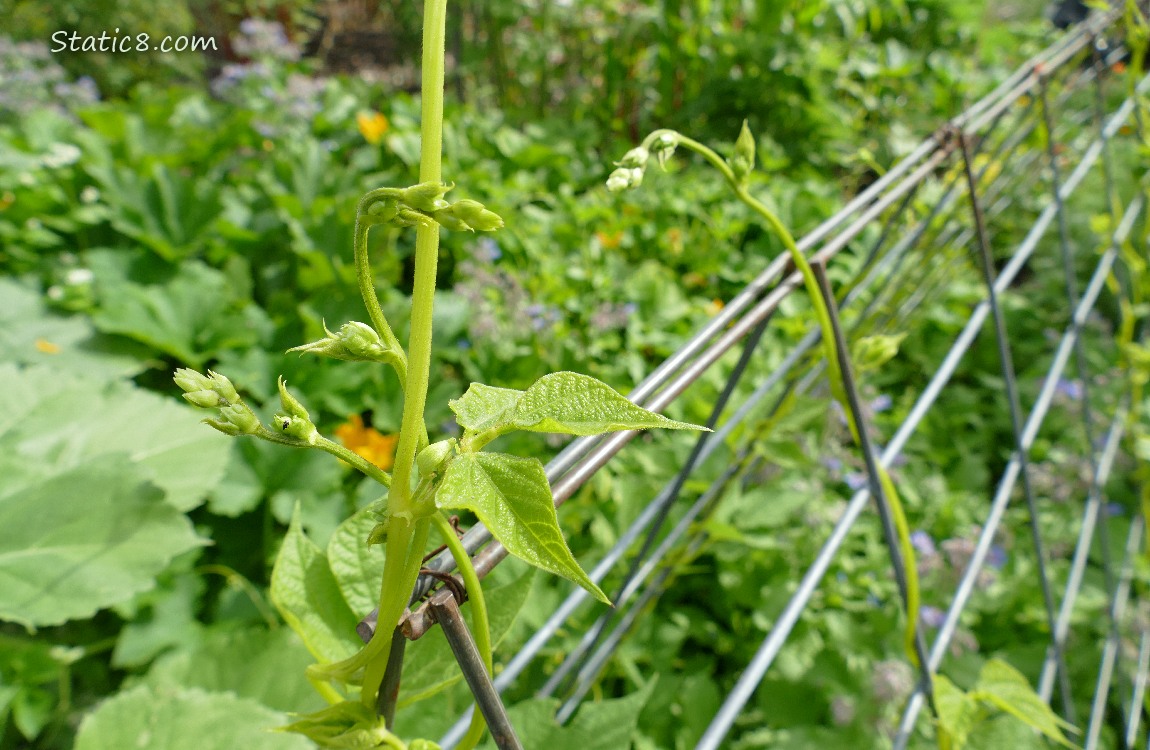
[1008, 690]
[83, 540]
[252, 662]
[357, 567]
[30, 334]
[52, 421]
[307, 595]
[183, 719]
[512, 497]
[564, 402]
[484, 406]
[189, 311]
[958, 712]
[430, 667]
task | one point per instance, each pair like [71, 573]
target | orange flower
[1119, 67]
[372, 125]
[609, 241]
[715, 306]
[367, 442]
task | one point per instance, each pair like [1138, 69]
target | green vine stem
[407, 535]
[481, 625]
[822, 314]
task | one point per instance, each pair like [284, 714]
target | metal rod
[474, 672]
[389, 688]
[1006, 361]
[1109, 664]
[1140, 677]
[882, 502]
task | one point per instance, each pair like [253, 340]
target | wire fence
[982, 192]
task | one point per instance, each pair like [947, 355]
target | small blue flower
[488, 250]
[1071, 389]
[932, 617]
[880, 403]
[856, 480]
[463, 344]
[1115, 509]
[832, 463]
[997, 557]
[923, 543]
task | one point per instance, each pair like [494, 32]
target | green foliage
[512, 497]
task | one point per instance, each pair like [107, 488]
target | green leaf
[52, 421]
[83, 540]
[305, 592]
[1007, 689]
[183, 719]
[32, 335]
[512, 497]
[191, 312]
[252, 662]
[564, 402]
[357, 567]
[958, 712]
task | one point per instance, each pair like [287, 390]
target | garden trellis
[939, 206]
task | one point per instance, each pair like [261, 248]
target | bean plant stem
[481, 625]
[822, 314]
[407, 535]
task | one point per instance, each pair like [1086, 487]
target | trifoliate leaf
[512, 497]
[84, 539]
[565, 402]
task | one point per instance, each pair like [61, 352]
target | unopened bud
[190, 380]
[299, 428]
[291, 405]
[636, 158]
[225, 427]
[431, 459]
[204, 399]
[477, 216]
[448, 220]
[664, 148]
[224, 387]
[382, 211]
[743, 160]
[624, 178]
[355, 342]
[426, 196]
[409, 217]
[241, 417]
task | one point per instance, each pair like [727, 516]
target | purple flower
[856, 480]
[487, 250]
[923, 543]
[931, 616]
[1115, 509]
[463, 344]
[1071, 389]
[997, 557]
[880, 403]
[832, 463]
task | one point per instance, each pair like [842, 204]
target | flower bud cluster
[629, 170]
[214, 391]
[424, 205]
[354, 342]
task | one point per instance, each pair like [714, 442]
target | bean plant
[509, 494]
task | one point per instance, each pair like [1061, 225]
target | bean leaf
[564, 402]
[512, 497]
[1008, 690]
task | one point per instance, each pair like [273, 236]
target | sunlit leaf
[512, 497]
[564, 402]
